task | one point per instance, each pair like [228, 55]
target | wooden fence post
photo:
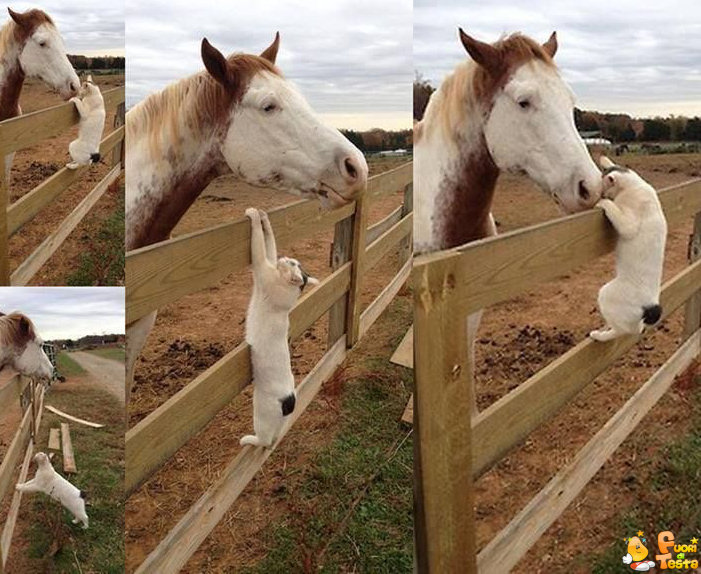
[340, 254]
[443, 486]
[692, 312]
[358, 255]
[406, 246]
[4, 237]
[118, 152]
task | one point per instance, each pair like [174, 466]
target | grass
[353, 508]
[672, 501]
[67, 365]
[114, 353]
[53, 543]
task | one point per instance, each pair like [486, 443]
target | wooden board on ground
[72, 418]
[404, 354]
[408, 414]
[68, 458]
[55, 439]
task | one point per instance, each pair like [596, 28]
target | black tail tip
[288, 404]
[652, 314]
[83, 494]
[94, 157]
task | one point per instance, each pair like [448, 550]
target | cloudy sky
[68, 312]
[88, 27]
[643, 58]
[350, 58]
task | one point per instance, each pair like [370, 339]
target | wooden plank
[377, 229]
[12, 391]
[511, 544]
[67, 448]
[6, 538]
[404, 354]
[44, 194]
[153, 440]
[386, 296]
[358, 255]
[40, 410]
[4, 236]
[504, 266]
[390, 181]
[387, 242]
[13, 453]
[29, 129]
[55, 438]
[692, 313]
[162, 273]
[29, 267]
[72, 418]
[408, 414]
[443, 495]
[512, 418]
[340, 255]
[182, 541]
[119, 120]
[406, 247]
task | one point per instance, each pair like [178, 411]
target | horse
[238, 116]
[31, 46]
[507, 109]
[21, 347]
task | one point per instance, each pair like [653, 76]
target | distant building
[394, 153]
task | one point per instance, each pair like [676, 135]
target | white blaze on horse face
[276, 140]
[44, 57]
[33, 361]
[531, 129]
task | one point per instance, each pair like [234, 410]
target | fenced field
[166, 272]
[452, 451]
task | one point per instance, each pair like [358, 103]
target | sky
[68, 312]
[350, 58]
[88, 27]
[640, 58]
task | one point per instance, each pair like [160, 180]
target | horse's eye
[524, 104]
[269, 108]
[42, 44]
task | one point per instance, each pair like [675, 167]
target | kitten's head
[89, 88]
[41, 459]
[615, 178]
[292, 273]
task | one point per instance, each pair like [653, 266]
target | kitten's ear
[611, 178]
[312, 281]
[605, 162]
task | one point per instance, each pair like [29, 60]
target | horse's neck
[455, 185]
[11, 81]
[164, 191]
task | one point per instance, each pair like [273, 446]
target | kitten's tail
[288, 404]
[652, 314]
[95, 157]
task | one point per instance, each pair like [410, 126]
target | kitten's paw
[252, 214]
[603, 336]
[18, 487]
[72, 165]
[264, 216]
[74, 99]
[75, 521]
[249, 439]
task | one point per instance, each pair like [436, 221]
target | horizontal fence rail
[452, 449]
[163, 273]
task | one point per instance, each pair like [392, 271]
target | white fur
[633, 208]
[51, 483]
[277, 287]
[91, 107]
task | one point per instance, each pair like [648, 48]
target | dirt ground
[35, 164]
[518, 337]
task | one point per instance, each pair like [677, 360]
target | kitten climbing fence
[453, 449]
[163, 273]
[30, 395]
[29, 130]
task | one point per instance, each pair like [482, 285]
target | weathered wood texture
[11, 520]
[340, 255]
[510, 545]
[55, 439]
[67, 449]
[12, 391]
[14, 452]
[4, 236]
[692, 313]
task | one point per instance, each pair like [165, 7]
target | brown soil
[518, 337]
[33, 165]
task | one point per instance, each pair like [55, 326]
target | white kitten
[277, 285]
[632, 299]
[51, 483]
[86, 149]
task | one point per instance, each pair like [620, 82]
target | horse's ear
[216, 63]
[484, 54]
[24, 326]
[550, 46]
[18, 17]
[270, 53]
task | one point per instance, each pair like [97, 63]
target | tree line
[80, 62]
[377, 140]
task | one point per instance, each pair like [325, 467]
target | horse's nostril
[583, 191]
[73, 87]
[351, 170]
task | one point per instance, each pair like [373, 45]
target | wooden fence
[452, 450]
[31, 399]
[163, 273]
[28, 130]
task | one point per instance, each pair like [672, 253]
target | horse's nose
[353, 170]
[73, 87]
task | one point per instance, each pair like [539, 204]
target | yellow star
[640, 532]
[694, 540]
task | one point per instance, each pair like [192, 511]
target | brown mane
[16, 330]
[199, 101]
[11, 30]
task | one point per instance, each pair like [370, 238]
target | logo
[672, 555]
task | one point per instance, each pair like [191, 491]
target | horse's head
[27, 354]
[42, 53]
[273, 138]
[529, 118]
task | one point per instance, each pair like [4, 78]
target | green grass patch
[114, 353]
[54, 544]
[67, 365]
